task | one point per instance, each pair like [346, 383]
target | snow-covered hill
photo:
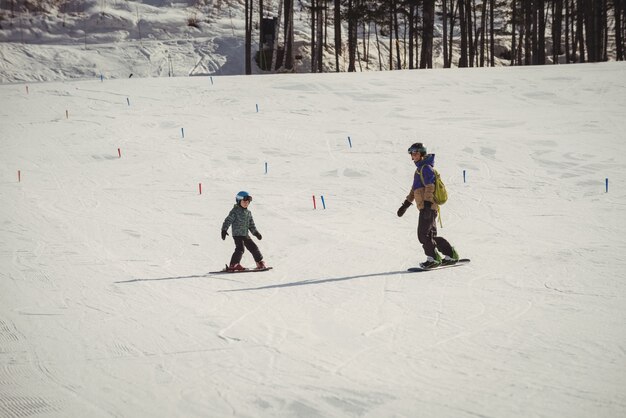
[106, 307]
[153, 38]
[115, 39]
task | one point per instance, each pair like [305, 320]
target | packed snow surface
[107, 307]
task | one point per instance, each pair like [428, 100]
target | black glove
[258, 235]
[404, 207]
[428, 204]
[224, 233]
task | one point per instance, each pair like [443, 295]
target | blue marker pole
[257, 108]
[211, 80]
[606, 182]
[266, 168]
[323, 202]
[128, 101]
[101, 78]
[182, 131]
[463, 176]
[350, 142]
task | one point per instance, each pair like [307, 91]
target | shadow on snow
[318, 281]
[273, 286]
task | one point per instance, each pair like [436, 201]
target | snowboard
[224, 271]
[461, 262]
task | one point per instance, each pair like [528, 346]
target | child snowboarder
[241, 220]
[423, 195]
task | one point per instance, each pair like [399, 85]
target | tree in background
[248, 41]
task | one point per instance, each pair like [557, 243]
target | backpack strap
[419, 171]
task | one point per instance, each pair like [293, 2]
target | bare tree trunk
[492, 34]
[535, 32]
[380, 57]
[464, 30]
[580, 18]
[528, 18]
[412, 33]
[396, 30]
[287, 60]
[391, 10]
[446, 64]
[337, 33]
[248, 40]
[469, 10]
[604, 24]
[541, 32]
[320, 37]
[417, 37]
[619, 42]
[513, 32]
[557, 22]
[274, 63]
[428, 26]
[567, 32]
[352, 39]
[483, 25]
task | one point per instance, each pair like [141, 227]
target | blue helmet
[242, 195]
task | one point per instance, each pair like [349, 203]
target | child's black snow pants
[240, 243]
[427, 234]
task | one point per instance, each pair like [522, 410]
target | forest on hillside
[350, 35]
[470, 33]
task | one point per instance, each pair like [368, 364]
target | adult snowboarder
[241, 220]
[422, 193]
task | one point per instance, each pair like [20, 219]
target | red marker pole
[26, 89]
[314, 206]
[119, 153]
[19, 176]
[200, 187]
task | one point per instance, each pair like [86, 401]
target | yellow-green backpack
[440, 195]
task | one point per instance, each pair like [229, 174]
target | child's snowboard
[247, 270]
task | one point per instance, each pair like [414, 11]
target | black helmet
[417, 147]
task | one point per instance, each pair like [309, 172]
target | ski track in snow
[107, 307]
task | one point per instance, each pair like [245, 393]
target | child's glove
[224, 233]
[403, 208]
[258, 235]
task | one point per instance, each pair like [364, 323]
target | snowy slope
[106, 307]
[154, 38]
[90, 38]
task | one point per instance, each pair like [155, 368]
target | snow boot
[449, 260]
[235, 267]
[431, 262]
[260, 265]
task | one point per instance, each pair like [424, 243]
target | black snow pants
[240, 242]
[427, 234]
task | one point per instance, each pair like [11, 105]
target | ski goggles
[414, 149]
[247, 199]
